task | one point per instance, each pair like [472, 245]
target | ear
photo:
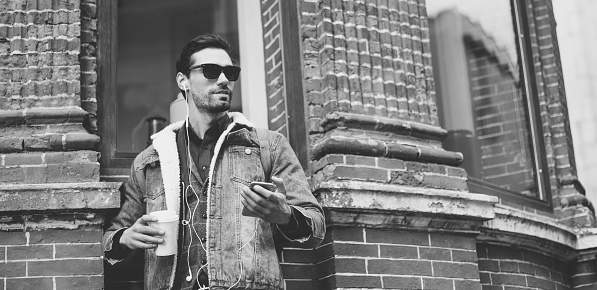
[182, 81]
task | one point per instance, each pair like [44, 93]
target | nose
[222, 79]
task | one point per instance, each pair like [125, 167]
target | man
[201, 168]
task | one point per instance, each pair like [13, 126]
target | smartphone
[267, 185]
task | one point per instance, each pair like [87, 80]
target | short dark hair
[208, 40]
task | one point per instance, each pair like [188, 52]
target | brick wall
[274, 66]
[39, 44]
[388, 171]
[504, 266]
[554, 113]
[396, 259]
[51, 259]
[51, 218]
[369, 58]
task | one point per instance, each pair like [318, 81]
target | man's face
[210, 95]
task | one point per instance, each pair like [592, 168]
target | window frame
[115, 166]
[544, 200]
[541, 200]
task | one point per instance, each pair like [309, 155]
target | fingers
[279, 182]
[141, 235]
[254, 202]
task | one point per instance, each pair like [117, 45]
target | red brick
[485, 277]
[299, 271]
[400, 267]
[30, 252]
[45, 283]
[540, 283]
[13, 238]
[526, 268]
[538, 259]
[354, 281]
[489, 265]
[347, 234]
[467, 284]
[326, 268]
[13, 269]
[360, 160]
[78, 250]
[80, 283]
[492, 287]
[2, 252]
[435, 254]
[437, 283]
[65, 267]
[349, 265]
[397, 237]
[356, 250]
[295, 256]
[452, 241]
[508, 279]
[66, 236]
[455, 270]
[300, 285]
[398, 252]
[325, 252]
[391, 163]
[464, 256]
[361, 173]
[402, 282]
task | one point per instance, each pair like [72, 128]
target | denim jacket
[240, 249]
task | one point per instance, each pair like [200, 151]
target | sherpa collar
[164, 143]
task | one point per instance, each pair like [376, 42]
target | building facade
[435, 134]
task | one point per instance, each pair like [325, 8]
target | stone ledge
[514, 227]
[383, 124]
[43, 115]
[370, 147]
[59, 196]
[383, 205]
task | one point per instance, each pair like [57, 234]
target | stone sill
[59, 196]
[538, 226]
[368, 196]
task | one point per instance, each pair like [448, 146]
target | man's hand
[141, 235]
[267, 205]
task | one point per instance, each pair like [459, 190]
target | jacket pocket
[245, 164]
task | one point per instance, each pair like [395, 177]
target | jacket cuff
[302, 232]
[113, 251]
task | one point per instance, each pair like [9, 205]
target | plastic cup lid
[165, 215]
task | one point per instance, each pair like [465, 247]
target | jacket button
[145, 200]
[203, 262]
[205, 215]
[248, 151]
[205, 191]
[204, 239]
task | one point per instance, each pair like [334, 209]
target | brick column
[53, 203]
[398, 210]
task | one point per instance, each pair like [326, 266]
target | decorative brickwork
[52, 214]
[274, 66]
[554, 114]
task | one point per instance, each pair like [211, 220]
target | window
[484, 88]
[138, 46]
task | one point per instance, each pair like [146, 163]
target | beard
[212, 104]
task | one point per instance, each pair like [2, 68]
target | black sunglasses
[213, 71]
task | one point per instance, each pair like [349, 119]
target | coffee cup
[168, 222]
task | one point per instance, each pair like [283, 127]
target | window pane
[481, 90]
[150, 36]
